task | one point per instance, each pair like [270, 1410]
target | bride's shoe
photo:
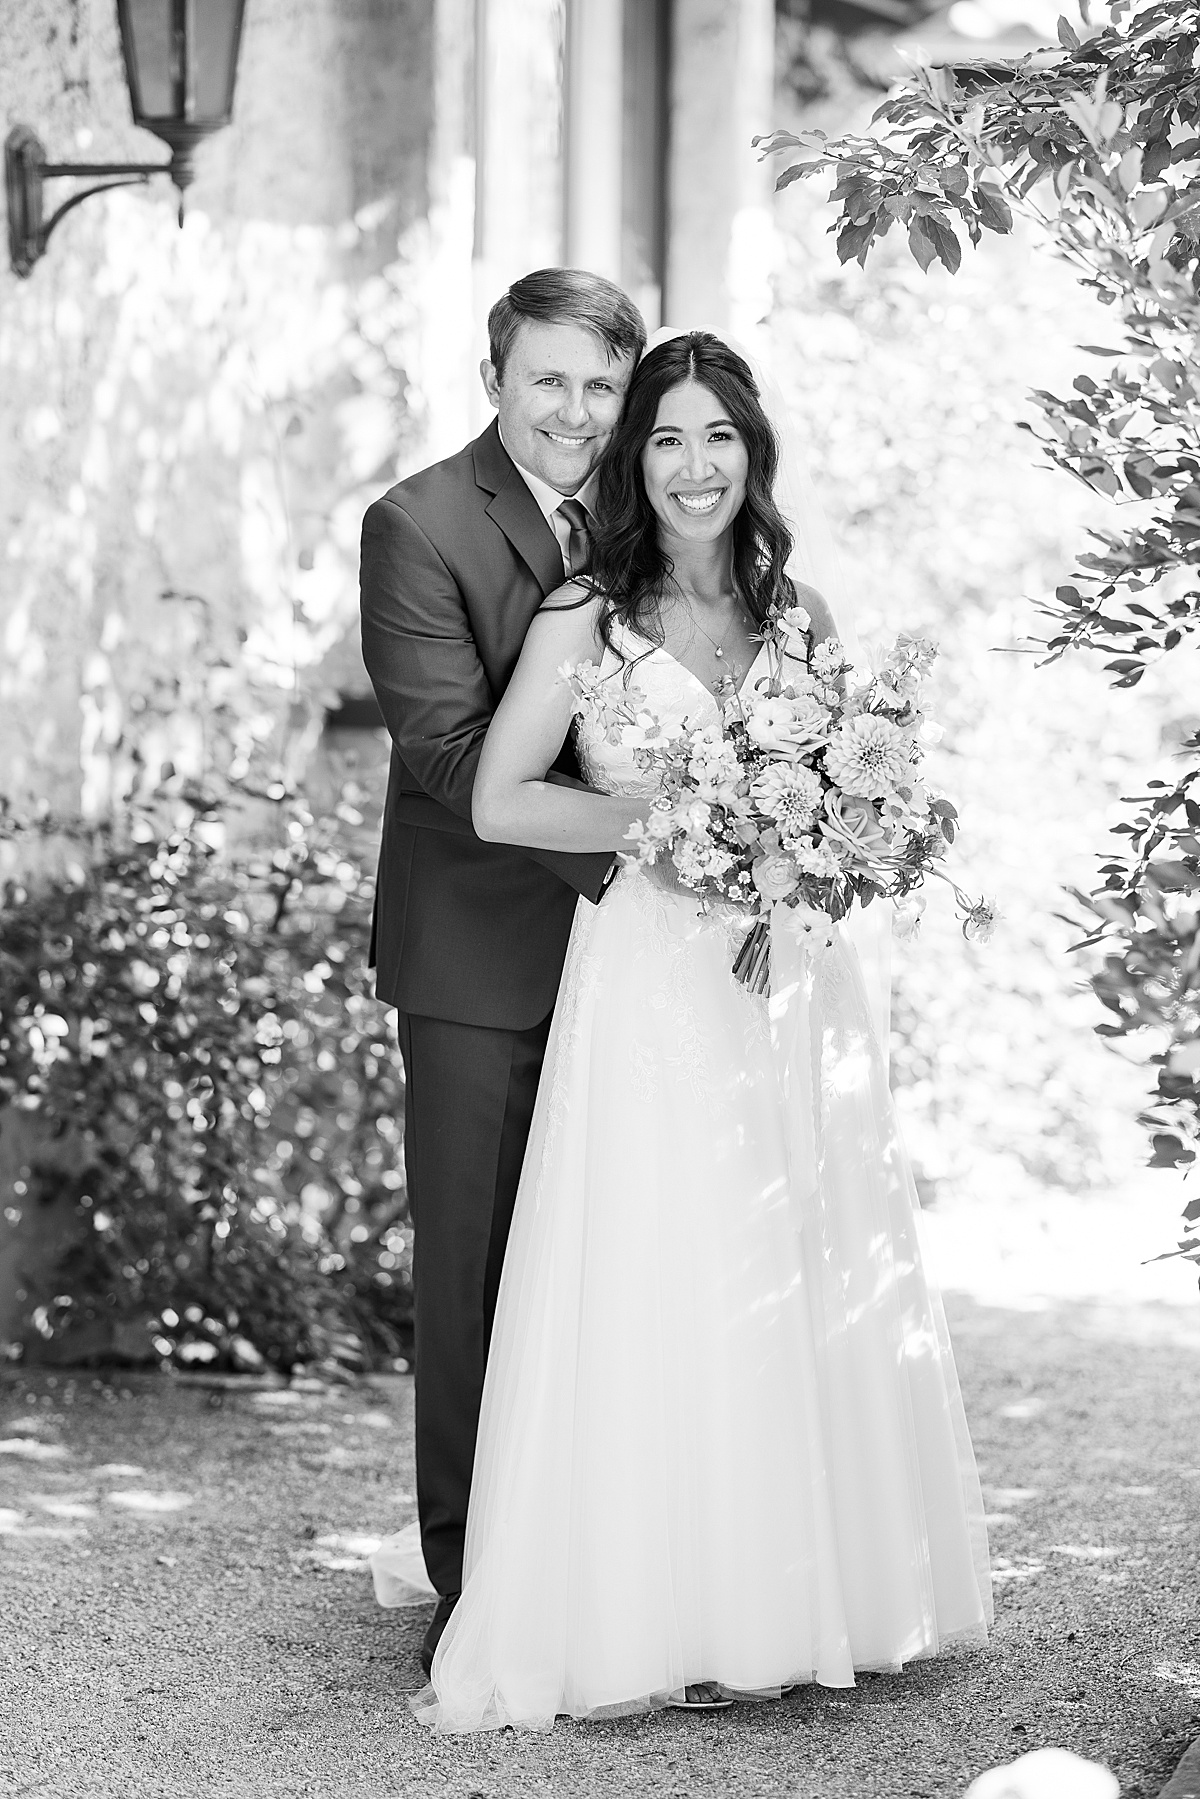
[705, 1696]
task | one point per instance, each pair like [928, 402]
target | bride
[722, 1448]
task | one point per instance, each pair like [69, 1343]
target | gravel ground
[186, 1608]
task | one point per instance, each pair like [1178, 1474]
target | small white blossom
[693, 817]
[793, 626]
[819, 860]
[714, 767]
[980, 923]
[829, 659]
[907, 918]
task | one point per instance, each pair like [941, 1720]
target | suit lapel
[515, 510]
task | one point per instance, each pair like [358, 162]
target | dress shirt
[549, 500]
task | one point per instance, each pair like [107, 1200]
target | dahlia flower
[869, 756]
[788, 794]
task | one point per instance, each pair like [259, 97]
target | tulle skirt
[721, 1437]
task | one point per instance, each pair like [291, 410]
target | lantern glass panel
[154, 43]
[214, 59]
[149, 45]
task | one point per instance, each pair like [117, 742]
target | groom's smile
[559, 396]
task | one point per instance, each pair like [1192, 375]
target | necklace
[723, 679]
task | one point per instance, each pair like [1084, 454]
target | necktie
[579, 544]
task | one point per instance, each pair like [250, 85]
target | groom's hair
[566, 297]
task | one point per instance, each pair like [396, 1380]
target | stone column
[445, 341]
[519, 162]
[593, 135]
[719, 222]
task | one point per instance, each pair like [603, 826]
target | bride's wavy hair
[629, 567]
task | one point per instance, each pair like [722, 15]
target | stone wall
[191, 421]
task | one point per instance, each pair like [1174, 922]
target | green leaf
[994, 209]
[795, 172]
[854, 240]
[1143, 488]
[1169, 1152]
[920, 242]
[944, 236]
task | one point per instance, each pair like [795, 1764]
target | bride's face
[695, 465]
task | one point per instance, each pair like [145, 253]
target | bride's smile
[699, 503]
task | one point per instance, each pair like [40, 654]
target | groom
[469, 937]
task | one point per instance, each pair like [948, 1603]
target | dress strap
[630, 643]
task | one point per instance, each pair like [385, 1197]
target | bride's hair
[630, 568]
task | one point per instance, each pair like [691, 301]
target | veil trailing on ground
[815, 562]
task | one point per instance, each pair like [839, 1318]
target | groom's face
[559, 398]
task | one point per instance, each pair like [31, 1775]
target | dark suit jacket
[455, 562]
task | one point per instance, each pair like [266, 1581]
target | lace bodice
[651, 677]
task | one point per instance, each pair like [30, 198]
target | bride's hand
[663, 874]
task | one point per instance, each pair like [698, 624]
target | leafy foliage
[199, 1029]
[1100, 142]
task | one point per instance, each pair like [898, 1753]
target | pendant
[720, 654]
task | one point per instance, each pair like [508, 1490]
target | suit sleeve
[425, 668]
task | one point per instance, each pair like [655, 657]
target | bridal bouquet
[809, 795]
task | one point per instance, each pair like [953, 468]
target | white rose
[853, 823]
[775, 877]
[787, 725]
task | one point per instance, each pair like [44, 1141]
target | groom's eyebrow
[540, 374]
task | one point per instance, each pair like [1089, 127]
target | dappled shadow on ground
[191, 1611]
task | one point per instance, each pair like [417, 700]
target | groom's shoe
[437, 1625]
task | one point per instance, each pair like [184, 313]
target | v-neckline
[662, 650]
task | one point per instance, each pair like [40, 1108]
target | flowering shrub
[201, 1031]
[1099, 146]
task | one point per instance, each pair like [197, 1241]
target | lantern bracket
[25, 170]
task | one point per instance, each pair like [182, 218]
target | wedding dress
[721, 1437]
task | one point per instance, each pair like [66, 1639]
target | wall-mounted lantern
[180, 66]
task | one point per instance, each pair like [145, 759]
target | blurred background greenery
[201, 1150]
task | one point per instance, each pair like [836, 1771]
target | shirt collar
[548, 498]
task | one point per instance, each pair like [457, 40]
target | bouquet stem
[752, 964]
